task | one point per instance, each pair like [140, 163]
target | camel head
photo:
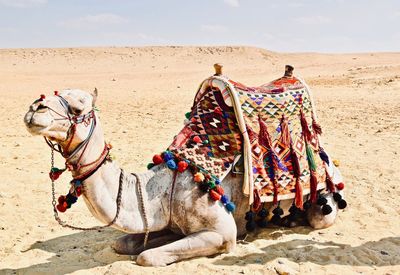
[53, 116]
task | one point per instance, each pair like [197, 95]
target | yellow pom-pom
[336, 162]
[198, 177]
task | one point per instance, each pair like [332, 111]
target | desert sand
[143, 96]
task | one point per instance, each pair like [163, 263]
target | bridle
[89, 118]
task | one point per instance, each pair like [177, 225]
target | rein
[64, 224]
[90, 117]
[74, 120]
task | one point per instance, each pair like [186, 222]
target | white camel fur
[185, 223]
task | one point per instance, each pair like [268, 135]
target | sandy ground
[144, 93]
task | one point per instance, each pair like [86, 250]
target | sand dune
[357, 97]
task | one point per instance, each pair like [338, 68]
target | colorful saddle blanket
[272, 127]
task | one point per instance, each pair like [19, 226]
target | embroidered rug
[272, 126]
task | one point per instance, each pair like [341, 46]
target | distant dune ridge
[143, 96]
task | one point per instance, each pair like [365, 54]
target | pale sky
[278, 25]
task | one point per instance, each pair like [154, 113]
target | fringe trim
[265, 140]
[285, 133]
[316, 127]
[304, 126]
[313, 186]
[329, 183]
[298, 199]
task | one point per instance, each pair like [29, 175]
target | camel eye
[75, 111]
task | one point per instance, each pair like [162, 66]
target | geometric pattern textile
[270, 102]
[224, 123]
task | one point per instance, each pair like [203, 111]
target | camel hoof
[128, 245]
[152, 258]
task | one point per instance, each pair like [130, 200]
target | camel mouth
[36, 129]
[36, 125]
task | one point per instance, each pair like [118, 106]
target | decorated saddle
[273, 127]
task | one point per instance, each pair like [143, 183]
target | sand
[143, 95]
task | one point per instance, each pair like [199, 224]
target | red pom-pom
[219, 189]
[61, 199]
[182, 166]
[197, 139]
[78, 191]
[193, 119]
[42, 97]
[157, 159]
[215, 196]
[54, 175]
[340, 186]
[55, 92]
[62, 207]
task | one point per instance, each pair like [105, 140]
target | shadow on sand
[384, 252]
[74, 252]
[85, 250]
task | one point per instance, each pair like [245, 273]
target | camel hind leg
[204, 243]
[317, 219]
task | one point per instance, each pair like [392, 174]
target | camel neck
[100, 194]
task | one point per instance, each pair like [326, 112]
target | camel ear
[94, 95]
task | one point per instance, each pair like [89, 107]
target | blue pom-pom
[77, 182]
[217, 181]
[323, 156]
[230, 206]
[168, 156]
[70, 199]
[171, 164]
[227, 164]
[224, 199]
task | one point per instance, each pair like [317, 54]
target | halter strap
[74, 120]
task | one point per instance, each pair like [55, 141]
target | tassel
[316, 127]
[329, 183]
[310, 158]
[313, 186]
[276, 218]
[298, 199]
[251, 224]
[275, 191]
[264, 139]
[252, 135]
[323, 155]
[279, 163]
[257, 201]
[285, 133]
[304, 126]
[295, 164]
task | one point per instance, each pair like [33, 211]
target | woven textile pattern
[212, 138]
[215, 124]
[270, 102]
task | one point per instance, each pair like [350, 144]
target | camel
[183, 222]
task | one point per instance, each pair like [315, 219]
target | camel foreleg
[199, 244]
